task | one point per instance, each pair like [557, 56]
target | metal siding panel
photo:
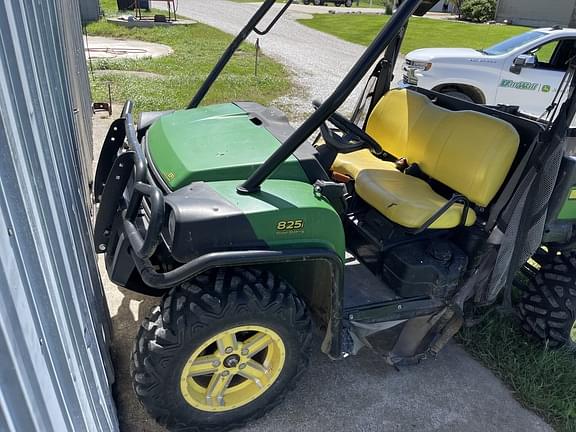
[56, 369]
[535, 13]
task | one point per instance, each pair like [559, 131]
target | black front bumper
[131, 212]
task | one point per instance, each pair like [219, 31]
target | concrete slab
[110, 48]
[441, 16]
[129, 21]
[359, 394]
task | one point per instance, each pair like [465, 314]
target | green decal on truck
[519, 85]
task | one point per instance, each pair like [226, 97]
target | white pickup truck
[525, 70]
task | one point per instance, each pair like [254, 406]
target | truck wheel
[221, 350]
[348, 3]
[317, 2]
[306, 2]
[548, 303]
[458, 95]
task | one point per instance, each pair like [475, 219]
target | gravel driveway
[318, 60]
[360, 394]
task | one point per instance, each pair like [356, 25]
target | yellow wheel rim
[232, 368]
[573, 333]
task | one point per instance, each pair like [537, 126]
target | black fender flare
[332, 344]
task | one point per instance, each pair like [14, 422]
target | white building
[537, 13]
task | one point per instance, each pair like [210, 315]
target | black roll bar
[335, 100]
[241, 37]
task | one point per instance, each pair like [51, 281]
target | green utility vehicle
[409, 218]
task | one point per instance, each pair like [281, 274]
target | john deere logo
[170, 176]
[546, 89]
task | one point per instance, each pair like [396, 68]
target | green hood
[213, 143]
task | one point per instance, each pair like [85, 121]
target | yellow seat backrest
[468, 151]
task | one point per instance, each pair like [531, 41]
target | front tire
[221, 350]
[547, 306]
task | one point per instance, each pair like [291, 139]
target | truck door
[533, 86]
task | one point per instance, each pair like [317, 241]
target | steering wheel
[353, 138]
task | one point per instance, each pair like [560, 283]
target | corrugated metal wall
[55, 370]
[537, 13]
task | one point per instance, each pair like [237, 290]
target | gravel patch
[317, 60]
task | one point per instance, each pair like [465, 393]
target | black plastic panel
[206, 222]
[276, 122]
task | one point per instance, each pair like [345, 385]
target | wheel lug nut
[215, 363]
[244, 352]
[241, 365]
[225, 373]
[228, 350]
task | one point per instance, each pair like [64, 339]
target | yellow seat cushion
[352, 163]
[407, 200]
[468, 151]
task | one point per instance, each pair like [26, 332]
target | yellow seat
[467, 151]
[352, 163]
[407, 200]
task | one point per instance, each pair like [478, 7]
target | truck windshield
[513, 43]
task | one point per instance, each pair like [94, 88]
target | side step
[394, 310]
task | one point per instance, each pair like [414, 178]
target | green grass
[542, 380]
[174, 79]
[422, 32]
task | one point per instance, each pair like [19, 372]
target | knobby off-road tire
[548, 303]
[212, 307]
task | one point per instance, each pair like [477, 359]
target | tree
[478, 10]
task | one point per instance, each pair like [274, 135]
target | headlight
[411, 67]
[171, 225]
[418, 65]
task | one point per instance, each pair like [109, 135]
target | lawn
[541, 379]
[422, 32]
[170, 82]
